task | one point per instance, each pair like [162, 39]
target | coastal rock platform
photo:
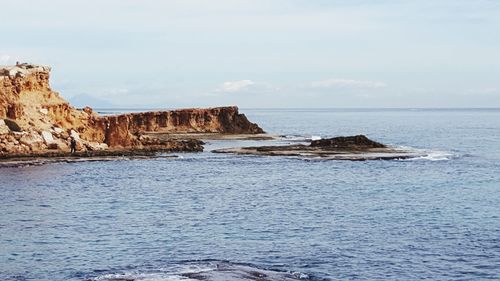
[42, 158]
[354, 148]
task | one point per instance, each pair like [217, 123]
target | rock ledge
[355, 148]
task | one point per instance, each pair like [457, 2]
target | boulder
[95, 146]
[47, 137]
[75, 135]
[13, 126]
[33, 140]
[53, 145]
[57, 130]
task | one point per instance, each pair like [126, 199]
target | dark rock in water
[351, 142]
[355, 148]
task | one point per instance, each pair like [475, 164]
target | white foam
[300, 275]
[197, 268]
[315, 138]
[433, 155]
[214, 271]
[143, 277]
[436, 156]
[295, 138]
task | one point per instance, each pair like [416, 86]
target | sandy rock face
[123, 129]
[27, 99]
[194, 120]
[47, 137]
[30, 110]
[33, 140]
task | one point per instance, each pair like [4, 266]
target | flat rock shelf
[354, 148]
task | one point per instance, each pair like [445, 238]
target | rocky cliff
[35, 119]
[27, 99]
[122, 129]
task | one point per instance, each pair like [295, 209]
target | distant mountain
[83, 100]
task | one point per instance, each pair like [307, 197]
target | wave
[430, 155]
[436, 156]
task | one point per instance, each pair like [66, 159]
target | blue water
[436, 218]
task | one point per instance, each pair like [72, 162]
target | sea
[222, 217]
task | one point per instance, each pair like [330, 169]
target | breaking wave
[436, 156]
[430, 155]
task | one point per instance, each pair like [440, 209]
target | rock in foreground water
[359, 142]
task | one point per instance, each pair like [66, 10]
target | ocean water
[226, 217]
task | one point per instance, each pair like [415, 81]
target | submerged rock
[213, 271]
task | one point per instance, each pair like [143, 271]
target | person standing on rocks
[73, 145]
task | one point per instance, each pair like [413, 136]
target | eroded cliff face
[122, 129]
[26, 97]
[34, 118]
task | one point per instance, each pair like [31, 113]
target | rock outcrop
[355, 148]
[34, 119]
[122, 130]
[359, 142]
[27, 100]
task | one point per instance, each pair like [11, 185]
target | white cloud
[347, 83]
[235, 86]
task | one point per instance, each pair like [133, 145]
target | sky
[261, 53]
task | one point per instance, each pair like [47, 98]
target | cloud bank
[235, 86]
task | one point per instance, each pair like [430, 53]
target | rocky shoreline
[37, 124]
[24, 160]
[36, 121]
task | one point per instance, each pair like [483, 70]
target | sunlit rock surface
[35, 120]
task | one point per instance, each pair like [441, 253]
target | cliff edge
[34, 119]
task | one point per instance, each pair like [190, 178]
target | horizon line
[291, 108]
